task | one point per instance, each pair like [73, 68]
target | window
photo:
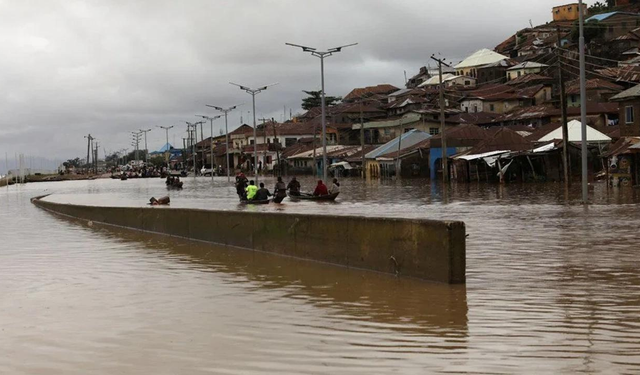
[492, 107]
[434, 131]
[628, 115]
[387, 131]
[290, 142]
[467, 83]
[573, 98]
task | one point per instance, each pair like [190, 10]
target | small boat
[123, 178]
[264, 201]
[330, 197]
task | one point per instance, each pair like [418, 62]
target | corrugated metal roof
[406, 140]
[435, 80]
[604, 16]
[481, 57]
[631, 93]
[528, 65]
[406, 119]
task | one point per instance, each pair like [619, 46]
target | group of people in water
[247, 189]
[172, 180]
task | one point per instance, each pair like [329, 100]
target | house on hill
[598, 90]
[616, 23]
[469, 66]
[359, 94]
[629, 110]
[527, 67]
[568, 12]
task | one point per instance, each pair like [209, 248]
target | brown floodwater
[552, 287]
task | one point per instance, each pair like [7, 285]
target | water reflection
[396, 303]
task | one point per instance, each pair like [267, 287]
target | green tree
[157, 161]
[593, 30]
[315, 100]
[599, 7]
[72, 163]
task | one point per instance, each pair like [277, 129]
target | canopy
[575, 134]
[343, 164]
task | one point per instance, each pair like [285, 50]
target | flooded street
[552, 287]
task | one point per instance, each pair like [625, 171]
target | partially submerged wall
[425, 249]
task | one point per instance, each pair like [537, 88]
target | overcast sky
[69, 68]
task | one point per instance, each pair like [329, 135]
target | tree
[72, 163]
[599, 7]
[157, 161]
[315, 100]
[593, 30]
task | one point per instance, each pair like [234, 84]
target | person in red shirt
[321, 189]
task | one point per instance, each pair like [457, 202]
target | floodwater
[552, 287]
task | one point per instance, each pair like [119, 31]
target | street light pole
[321, 55]
[226, 130]
[146, 150]
[253, 93]
[583, 107]
[166, 128]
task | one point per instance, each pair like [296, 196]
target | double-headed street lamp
[211, 121]
[321, 55]
[253, 93]
[166, 128]
[226, 130]
[146, 150]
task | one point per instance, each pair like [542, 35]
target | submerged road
[551, 288]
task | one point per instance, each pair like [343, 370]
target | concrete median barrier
[425, 249]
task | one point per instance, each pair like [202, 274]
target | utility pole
[445, 164]
[136, 140]
[193, 138]
[88, 137]
[226, 130]
[583, 107]
[264, 152]
[211, 155]
[321, 55]
[563, 110]
[277, 146]
[398, 161]
[146, 150]
[253, 93]
[362, 139]
[95, 157]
